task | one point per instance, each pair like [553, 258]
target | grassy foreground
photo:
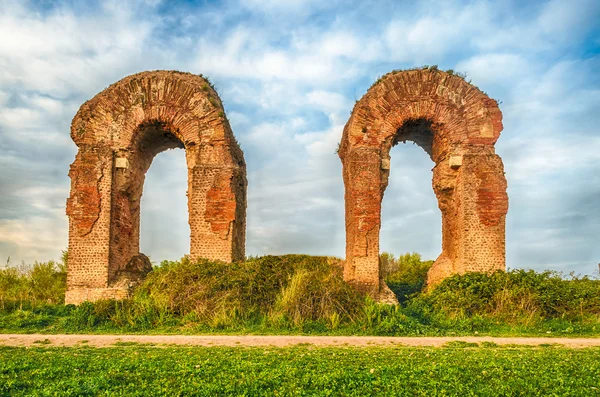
[301, 294]
[302, 371]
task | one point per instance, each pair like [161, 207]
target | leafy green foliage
[406, 275]
[289, 289]
[27, 287]
[517, 296]
[304, 294]
[371, 371]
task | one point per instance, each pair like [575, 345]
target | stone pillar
[483, 189]
[474, 209]
[89, 210]
[217, 206]
[362, 180]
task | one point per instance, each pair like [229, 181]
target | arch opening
[132, 164]
[410, 217]
[164, 223]
[420, 131]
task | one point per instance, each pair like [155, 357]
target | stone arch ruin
[457, 125]
[121, 130]
[118, 133]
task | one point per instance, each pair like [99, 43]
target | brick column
[471, 190]
[89, 210]
[217, 207]
[363, 180]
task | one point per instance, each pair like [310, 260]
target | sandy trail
[275, 340]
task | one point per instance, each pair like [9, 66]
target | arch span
[457, 125]
[118, 133]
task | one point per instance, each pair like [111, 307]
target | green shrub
[290, 288]
[516, 296]
[27, 287]
[300, 293]
[406, 275]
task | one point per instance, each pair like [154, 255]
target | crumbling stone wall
[457, 125]
[118, 134]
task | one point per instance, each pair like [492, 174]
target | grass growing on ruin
[300, 294]
[303, 370]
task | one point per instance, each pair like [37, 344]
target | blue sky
[289, 73]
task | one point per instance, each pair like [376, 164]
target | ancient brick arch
[457, 125]
[118, 133]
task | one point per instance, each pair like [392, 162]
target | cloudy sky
[289, 73]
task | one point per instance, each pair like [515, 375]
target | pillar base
[76, 296]
[386, 295]
[442, 268]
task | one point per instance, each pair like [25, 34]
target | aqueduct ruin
[457, 125]
[121, 130]
[118, 133]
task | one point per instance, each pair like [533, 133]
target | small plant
[208, 82]
[452, 72]
[489, 344]
[460, 344]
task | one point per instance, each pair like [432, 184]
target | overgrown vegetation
[304, 294]
[26, 287]
[404, 275]
[431, 68]
[369, 371]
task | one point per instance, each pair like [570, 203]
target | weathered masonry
[457, 125]
[118, 133]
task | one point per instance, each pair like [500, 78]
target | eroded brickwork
[457, 125]
[118, 134]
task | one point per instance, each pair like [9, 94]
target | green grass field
[305, 371]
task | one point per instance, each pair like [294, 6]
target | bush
[517, 296]
[290, 288]
[29, 287]
[300, 293]
[406, 275]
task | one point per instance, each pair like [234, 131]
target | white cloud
[61, 52]
[551, 155]
[548, 27]
[329, 102]
[288, 6]
[494, 68]
[34, 238]
[436, 32]
[4, 97]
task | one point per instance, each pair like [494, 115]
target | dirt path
[273, 340]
